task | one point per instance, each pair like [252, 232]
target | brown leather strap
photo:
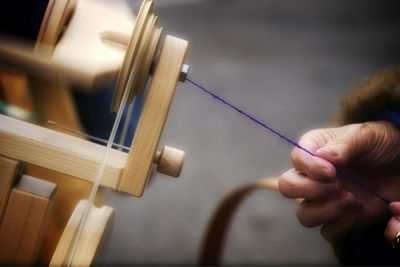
[214, 238]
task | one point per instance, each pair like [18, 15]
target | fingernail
[327, 151]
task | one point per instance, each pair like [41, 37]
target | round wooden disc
[148, 60]
[138, 64]
[131, 53]
[55, 18]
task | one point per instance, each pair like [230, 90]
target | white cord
[100, 172]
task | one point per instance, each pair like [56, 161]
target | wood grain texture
[57, 151]
[9, 170]
[170, 161]
[154, 114]
[24, 222]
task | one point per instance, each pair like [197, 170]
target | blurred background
[286, 62]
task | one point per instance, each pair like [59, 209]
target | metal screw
[184, 73]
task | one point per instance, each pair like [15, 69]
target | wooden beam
[153, 116]
[57, 151]
[25, 221]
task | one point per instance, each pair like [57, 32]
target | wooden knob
[170, 161]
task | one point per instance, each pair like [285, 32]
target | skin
[369, 151]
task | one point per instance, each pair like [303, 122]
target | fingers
[345, 145]
[395, 208]
[370, 142]
[314, 167]
[393, 226]
[315, 213]
[293, 184]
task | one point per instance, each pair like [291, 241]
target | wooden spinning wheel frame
[79, 158]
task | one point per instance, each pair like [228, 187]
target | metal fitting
[184, 73]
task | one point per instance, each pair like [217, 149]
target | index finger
[309, 164]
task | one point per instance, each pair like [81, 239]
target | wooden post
[154, 114]
[24, 221]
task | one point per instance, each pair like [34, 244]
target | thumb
[342, 148]
[393, 226]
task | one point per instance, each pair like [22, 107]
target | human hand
[393, 226]
[370, 151]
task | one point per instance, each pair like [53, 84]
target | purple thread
[339, 171]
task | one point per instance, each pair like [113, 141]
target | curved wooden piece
[56, 16]
[218, 227]
[89, 241]
[138, 72]
[132, 58]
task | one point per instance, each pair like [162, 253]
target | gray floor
[287, 62]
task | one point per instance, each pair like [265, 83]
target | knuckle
[312, 134]
[368, 131]
[343, 143]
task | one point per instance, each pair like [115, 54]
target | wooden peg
[169, 161]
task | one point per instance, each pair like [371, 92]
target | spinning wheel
[151, 66]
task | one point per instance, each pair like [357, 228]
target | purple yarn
[340, 171]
